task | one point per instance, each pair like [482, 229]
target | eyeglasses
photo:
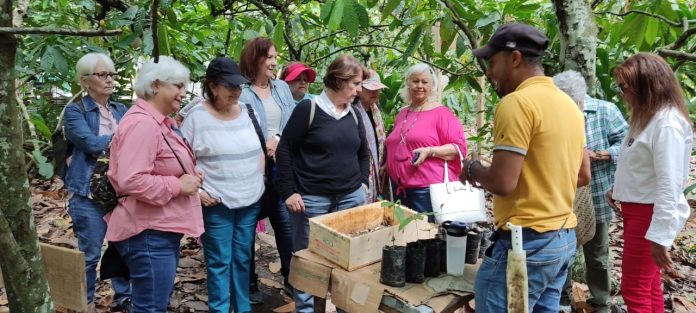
[620, 87]
[104, 75]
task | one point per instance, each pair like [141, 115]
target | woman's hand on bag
[207, 200]
[189, 184]
[661, 256]
[295, 203]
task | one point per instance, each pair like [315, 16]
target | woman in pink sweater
[425, 134]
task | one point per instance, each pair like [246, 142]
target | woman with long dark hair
[651, 175]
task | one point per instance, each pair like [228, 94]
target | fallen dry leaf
[274, 267]
[683, 305]
[290, 307]
[268, 239]
[187, 262]
[197, 305]
[270, 283]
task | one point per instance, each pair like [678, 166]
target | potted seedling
[404, 264]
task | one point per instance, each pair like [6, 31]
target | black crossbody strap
[175, 155]
[257, 127]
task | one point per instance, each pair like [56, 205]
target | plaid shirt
[605, 128]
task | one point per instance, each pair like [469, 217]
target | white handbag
[454, 201]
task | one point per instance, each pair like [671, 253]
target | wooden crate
[329, 235]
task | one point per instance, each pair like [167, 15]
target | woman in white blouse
[651, 176]
[228, 148]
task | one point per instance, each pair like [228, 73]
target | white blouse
[653, 168]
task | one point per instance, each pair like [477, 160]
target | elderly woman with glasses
[153, 169]
[89, 126]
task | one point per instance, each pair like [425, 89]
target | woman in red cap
[299, 76]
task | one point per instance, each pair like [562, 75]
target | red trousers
[641, 284]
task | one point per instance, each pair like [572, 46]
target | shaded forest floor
[54, 226]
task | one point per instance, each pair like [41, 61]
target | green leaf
[278, 32]
[325, 12]
[40, 125]
[59, 61]
[651, 31]
[46, 169]
[350, 17]
[461, 45]
[389, 8]
[38, 157]
[47, 59]
[488, 19]
[363, 17]
[689, 189]
[129, 14]
[413, 41]
[473, 83]
[447, 33]
[147, 42]
[336, 14]
[163, 39]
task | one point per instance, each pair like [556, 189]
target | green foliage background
[386, 35]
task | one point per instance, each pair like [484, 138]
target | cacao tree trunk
[578, 38]
[20, 254]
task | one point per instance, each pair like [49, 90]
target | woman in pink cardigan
[425, 134]
[152, 167]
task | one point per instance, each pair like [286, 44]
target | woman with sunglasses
[89, 125]
[651, 175]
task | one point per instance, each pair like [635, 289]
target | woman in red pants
[651, 175]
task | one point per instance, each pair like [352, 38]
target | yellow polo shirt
[541, 122]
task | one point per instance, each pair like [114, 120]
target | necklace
[262, 87]
[403, 133]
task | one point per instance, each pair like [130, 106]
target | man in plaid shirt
[605, 128]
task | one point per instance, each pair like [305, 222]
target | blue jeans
[90, 228]
[152, 257]
[417, 199]
[546, 270]
[227, 244]
[315, 206]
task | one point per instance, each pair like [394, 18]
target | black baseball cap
[521, 37]
[226, 70]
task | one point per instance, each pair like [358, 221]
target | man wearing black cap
[537, 157]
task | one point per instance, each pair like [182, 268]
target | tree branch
[677, 55]
[657, 16]
[465, 29]
[681, 40]
[153, 28]
[59, 31]
[595, 3]
[371, 45]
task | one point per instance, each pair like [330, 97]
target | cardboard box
[344, 238]
[361, 291]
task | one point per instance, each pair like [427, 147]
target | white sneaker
[565, 309]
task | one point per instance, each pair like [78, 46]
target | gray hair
[167, 70]
[417, 69]
[86, 64]
[573, 84]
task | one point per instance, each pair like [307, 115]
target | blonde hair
[418, 69]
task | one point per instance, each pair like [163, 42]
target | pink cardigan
[143, 167]
[435, 127]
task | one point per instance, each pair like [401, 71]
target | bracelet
[469, 170]
[431, 152]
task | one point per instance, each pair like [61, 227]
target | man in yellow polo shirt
[538, 162]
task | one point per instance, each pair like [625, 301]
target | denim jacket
[282, 96]
[82, 130]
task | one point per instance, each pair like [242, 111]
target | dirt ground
[190, 295]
